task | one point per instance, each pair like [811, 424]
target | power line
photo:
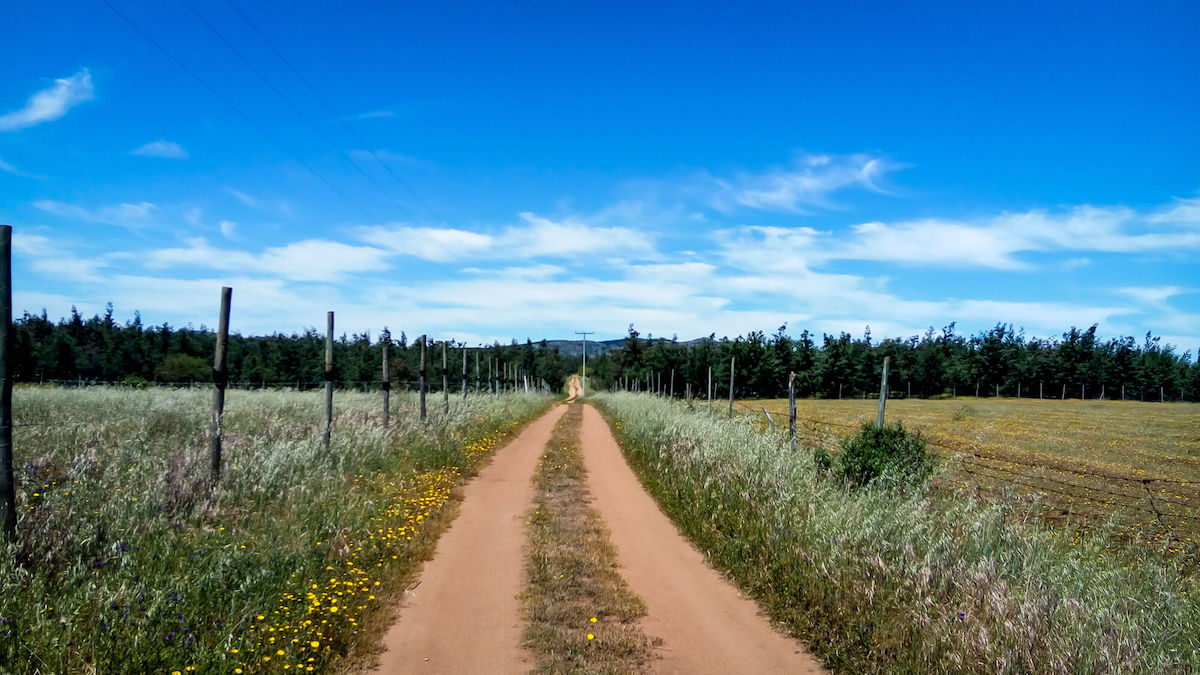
[291, 104]
[333, 112]
[257, 127]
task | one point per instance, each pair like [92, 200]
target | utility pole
[585, 333]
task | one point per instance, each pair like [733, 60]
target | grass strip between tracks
[580, 614]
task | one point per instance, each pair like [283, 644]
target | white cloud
[228, 228]
[534, 237]
[1182, 212]
[243, 197]
[51, 259]
[307, 260]
[51, 103]
[385, 156]
[1155, 297]
[810, 182]
[438, 244]
[5, 166]
[125, 215]
[541, 237]
[371, 115]
[161, 148]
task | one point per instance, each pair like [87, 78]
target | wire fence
[1126, 493]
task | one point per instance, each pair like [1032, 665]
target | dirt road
[464, 616]
[705, 624]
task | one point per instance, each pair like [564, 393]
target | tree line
[99, 349]
[1000, 361]
[997, 361]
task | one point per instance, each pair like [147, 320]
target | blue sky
[512, 170]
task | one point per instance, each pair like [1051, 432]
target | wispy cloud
[809, 182]
[307, 260]
[1181, 212]
[371, 115]
[437, 244]
[386, 156]
[161, 148]
[124, 215]
[9, 168]
[534, 237]
[1154, 297]
[242, 197]
[51, 103]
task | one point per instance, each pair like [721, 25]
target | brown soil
[464, 615]
[706, 626]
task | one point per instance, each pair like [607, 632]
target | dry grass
[882, 580]
[581, 616]
[1083, 461]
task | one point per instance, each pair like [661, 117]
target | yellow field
[1084, 460]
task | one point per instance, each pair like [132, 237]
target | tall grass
[127, 564]
[887, 580]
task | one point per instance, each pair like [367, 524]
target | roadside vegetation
[581, 617]
[879, 579]
[126, 563]
[1083, 464]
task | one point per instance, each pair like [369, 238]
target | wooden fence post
[477, 371]
[731, 359]
[1064, 392]
[710, 388]
[792, 408]
[421, 376]
[672, 383]
[220, 376]
[386, 383]
[464, 373]
[8, 484]
[883, 391]
[445, 381]
[328, 377]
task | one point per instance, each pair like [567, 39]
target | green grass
[126, 564]
[880, 580]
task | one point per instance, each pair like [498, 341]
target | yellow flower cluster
[313, 621]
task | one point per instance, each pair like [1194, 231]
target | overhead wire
[332, 111]
[292, 104]
[246, 117]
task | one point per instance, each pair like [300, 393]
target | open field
[1085, 461]
[126, 563]
[880, 579]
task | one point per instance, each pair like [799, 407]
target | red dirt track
[464, 616]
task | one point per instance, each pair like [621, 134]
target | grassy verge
[125, 564]
[581, 616]
[890, 581]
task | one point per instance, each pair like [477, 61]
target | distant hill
[597, 347]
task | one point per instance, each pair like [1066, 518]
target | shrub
[889, 453]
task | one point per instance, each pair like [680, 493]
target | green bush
[888, 453]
